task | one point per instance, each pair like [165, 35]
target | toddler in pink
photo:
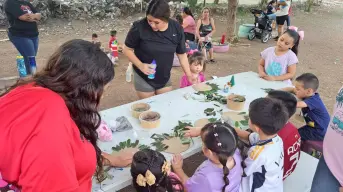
[197, 67]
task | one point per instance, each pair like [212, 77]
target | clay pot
[150, 119]
[138, 108]
[235, 105]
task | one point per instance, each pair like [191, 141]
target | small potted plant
[236, 102]
[138, 108]
[222, 46]
[150, 119]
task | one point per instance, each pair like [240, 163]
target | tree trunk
[204, 3]
[231, 20]
[216, 2]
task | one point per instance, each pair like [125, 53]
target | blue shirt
[315, 114]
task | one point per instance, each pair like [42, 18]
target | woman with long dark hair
[155, 38]
[23, 31]
[48, 139]
[188, 24]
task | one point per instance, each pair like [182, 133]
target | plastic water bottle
[33, 66]
[21, 66]
[129, 73]
[152, 76]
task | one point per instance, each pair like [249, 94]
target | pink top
[191, 25]
[332, 152]
[185, 83]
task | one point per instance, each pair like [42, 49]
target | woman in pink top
[329, 173]
[188, 24]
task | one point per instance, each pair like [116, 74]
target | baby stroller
[263, 28]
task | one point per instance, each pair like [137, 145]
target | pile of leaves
[244, 122]
[129, 144]
[212, 95]
[178, 131]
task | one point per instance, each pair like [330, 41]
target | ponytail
[223, 160]
[296, 38]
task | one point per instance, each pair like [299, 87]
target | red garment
[40, 145]
[111, 41]
[291, 144]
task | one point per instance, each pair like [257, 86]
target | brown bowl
[235, 105]
[138, 108]
[150, 119]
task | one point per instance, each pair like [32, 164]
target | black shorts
[280, 20]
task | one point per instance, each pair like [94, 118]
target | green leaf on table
[244, 122]
[135, 144]
[236, 124]
[246, 117]
[142, 147]
[128, 143]
[242, 113]
[122, 145]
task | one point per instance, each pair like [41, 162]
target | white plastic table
[173, 107]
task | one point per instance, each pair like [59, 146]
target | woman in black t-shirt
[155, 37]
[23, 30]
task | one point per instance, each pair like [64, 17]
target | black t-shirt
[160, 46]
[16, 8]
[270, 9]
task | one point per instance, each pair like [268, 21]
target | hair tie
[300, 33]
[149, 179]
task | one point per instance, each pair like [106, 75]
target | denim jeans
[27, 46]
[323, 180]
[288, 21]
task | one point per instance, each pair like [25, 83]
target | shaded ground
[320, 53]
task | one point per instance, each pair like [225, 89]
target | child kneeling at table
[289, 133]
[151, 172]
[313, 109]
[264, 164]
[223, 169]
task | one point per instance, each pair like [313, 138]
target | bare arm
[197, 31]
[213, 28]
[184, 64]
[289, 89]
[185, 24]
[261, 71]
[301, 104]
[132, 57]
[244, 135]
[182, 175]
[289, 75]
[37, 16]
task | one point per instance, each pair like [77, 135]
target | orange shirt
[40, 145]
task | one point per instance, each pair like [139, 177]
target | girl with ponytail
[222, 172]
[278, 63]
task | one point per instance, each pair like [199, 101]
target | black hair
[271, 2]
[198, 58]
[296, 39]
[153, 161]
[222, 139]
[179, 19]
[188, 11]
[269, 114]
[287, 98]
[159, 9]
[113, 33]
[309, 80]
[78, 71]
[94, 35]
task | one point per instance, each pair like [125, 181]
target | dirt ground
[320, 53]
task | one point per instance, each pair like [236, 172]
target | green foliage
[212, 95]
[192, 3]
[267, 90]
[178, 131]
[129, 144]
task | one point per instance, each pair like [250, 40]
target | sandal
[212, 61]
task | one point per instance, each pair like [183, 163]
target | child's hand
[177, 162]
[193, 131]
[262, 74]
[269, 78]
